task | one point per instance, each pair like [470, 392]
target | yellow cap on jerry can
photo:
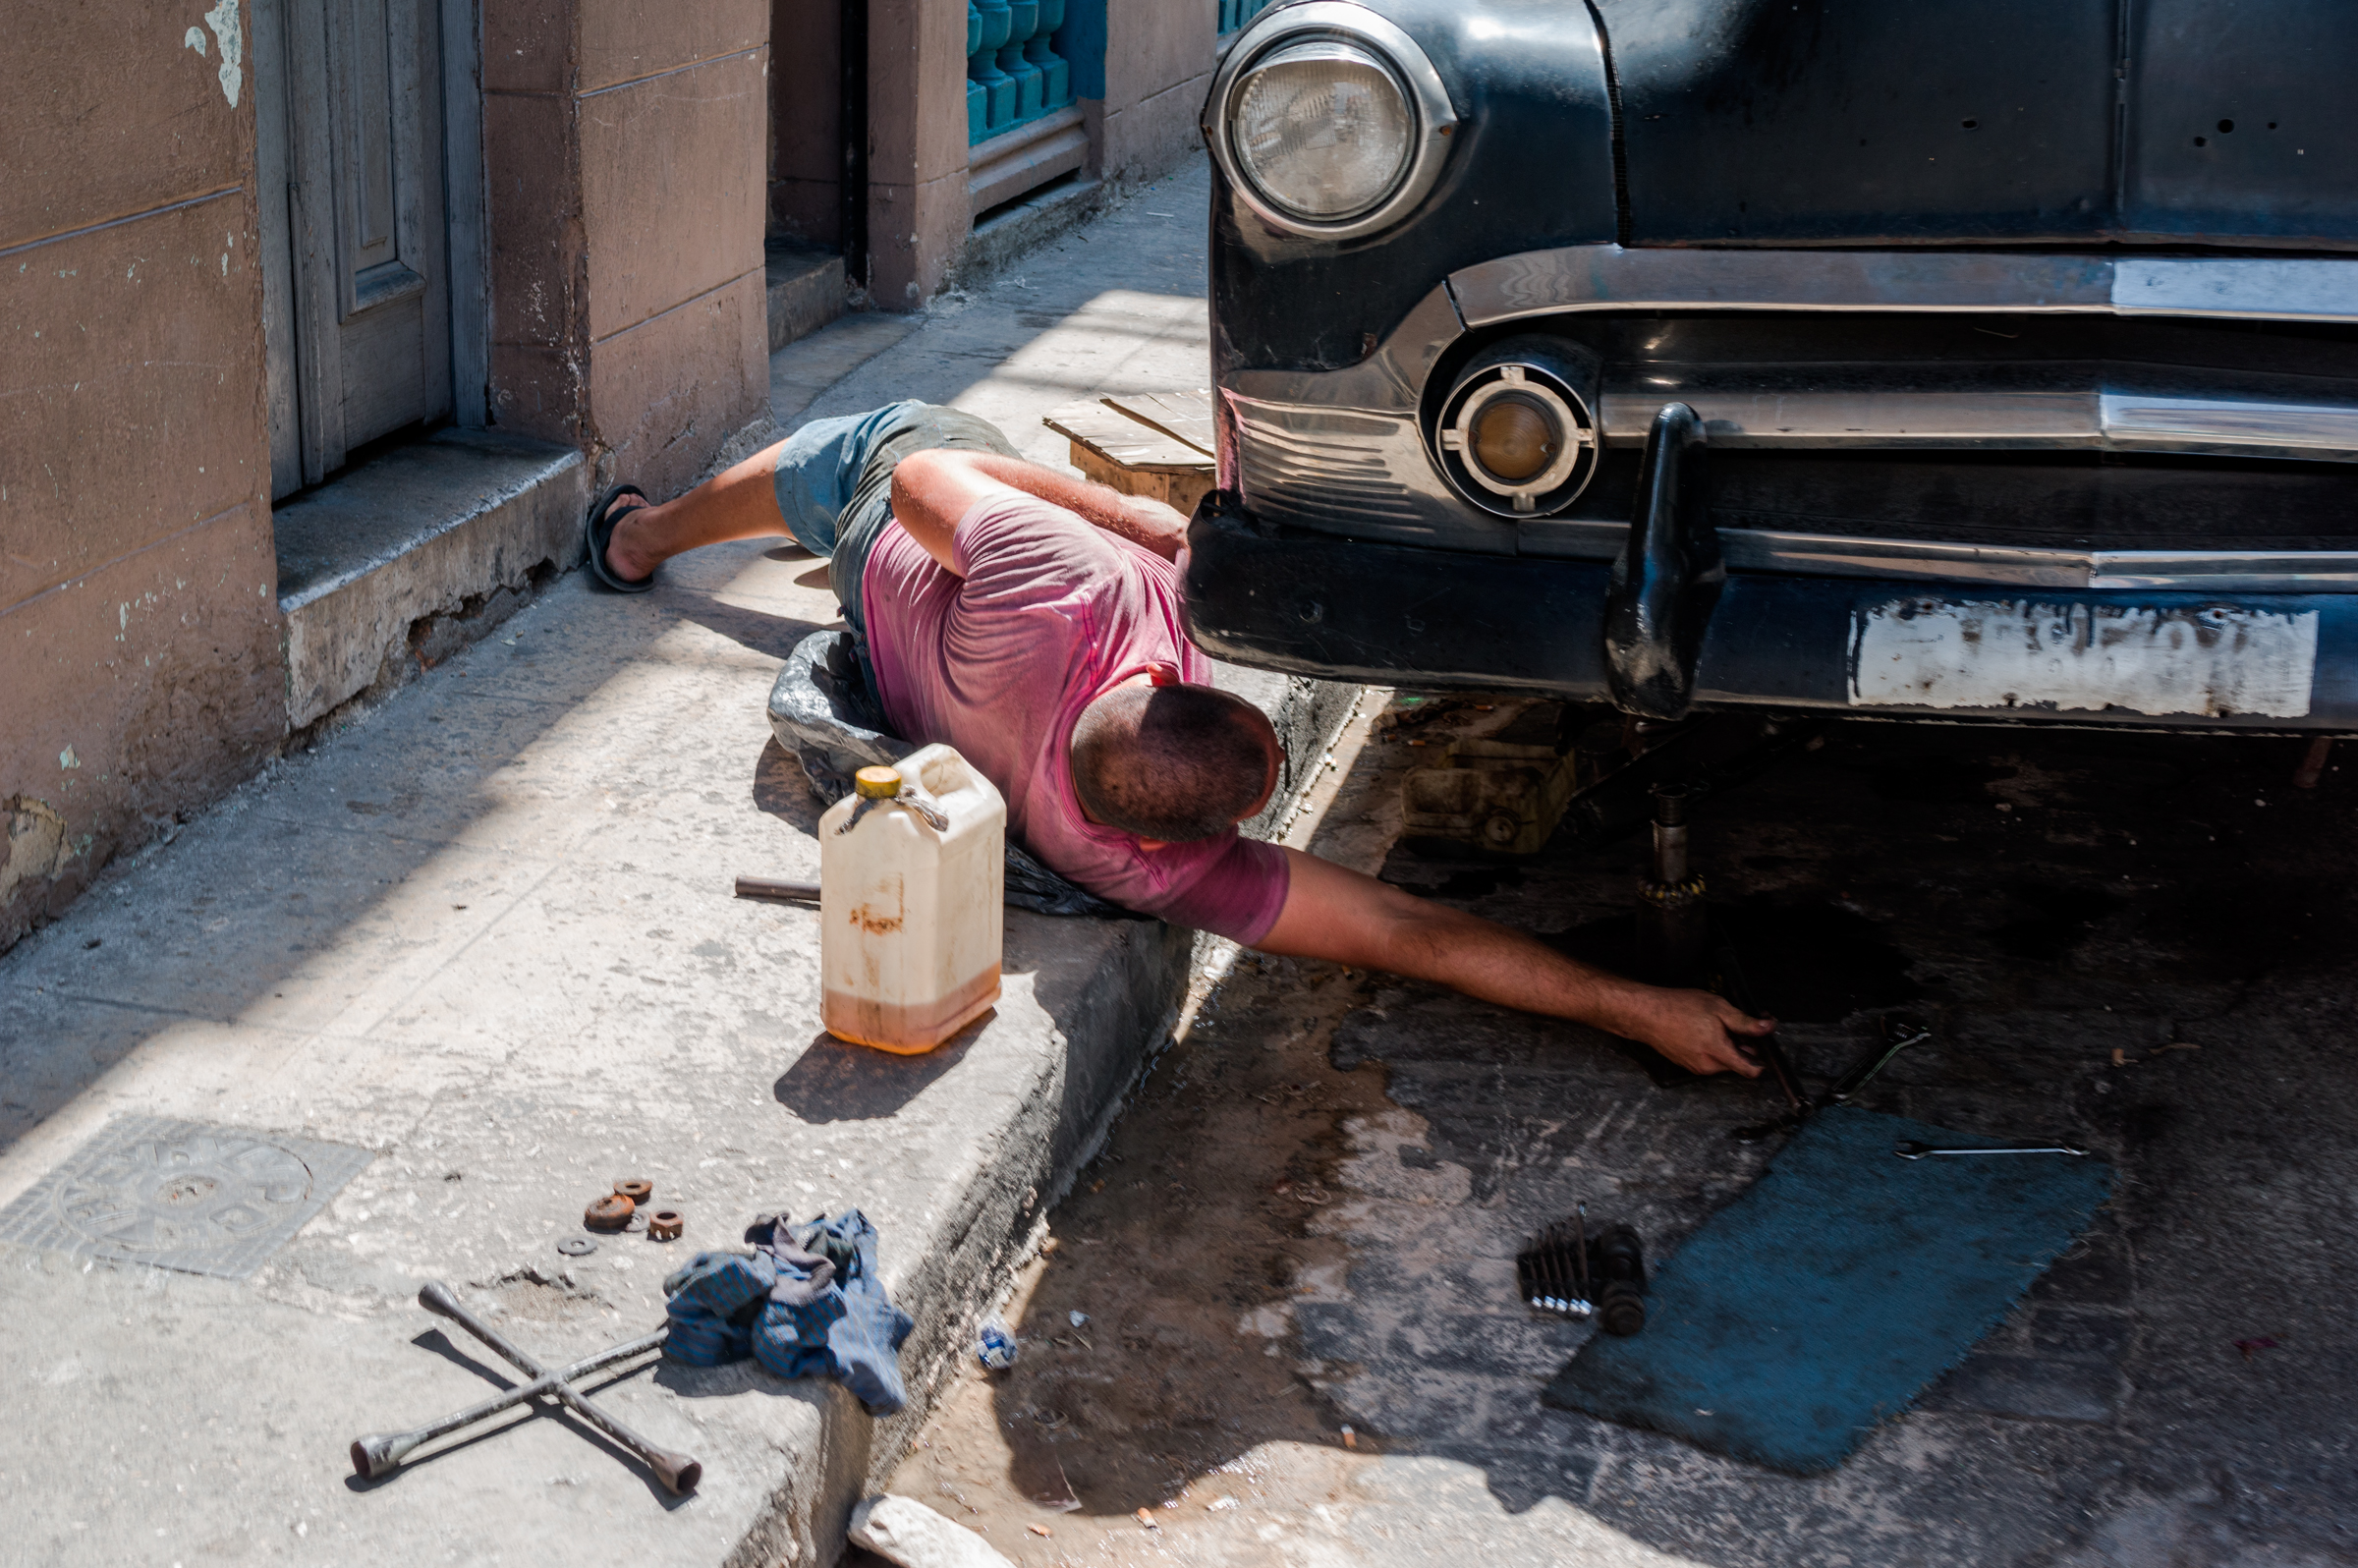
[878, 783]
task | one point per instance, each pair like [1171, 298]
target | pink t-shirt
[1044, 614]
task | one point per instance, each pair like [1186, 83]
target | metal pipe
[1670, 832]
[777, 889]
[1672, 918]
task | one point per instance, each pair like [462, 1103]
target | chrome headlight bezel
[1558, 377]
[1365, 31]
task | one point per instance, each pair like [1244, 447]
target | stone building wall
[139, 663]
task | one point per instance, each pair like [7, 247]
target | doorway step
[805, 291]
[384, 572]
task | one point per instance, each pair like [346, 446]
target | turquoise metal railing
[1013, 75]
[1234, 13]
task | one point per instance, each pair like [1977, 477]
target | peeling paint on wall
[35, 848]
[194, 38]
[223, 20]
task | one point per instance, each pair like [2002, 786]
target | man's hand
[1696, 1030]
[1340, 915]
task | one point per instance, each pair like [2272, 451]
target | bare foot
[624, 561]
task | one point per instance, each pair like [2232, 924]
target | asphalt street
[1299, 1339]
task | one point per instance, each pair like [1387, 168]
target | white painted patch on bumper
[1921, 653]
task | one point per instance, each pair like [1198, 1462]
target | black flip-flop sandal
[600, 530]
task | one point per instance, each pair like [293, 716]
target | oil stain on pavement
[1298, 1340]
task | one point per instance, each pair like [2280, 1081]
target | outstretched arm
[1340, 915]
[932, 489]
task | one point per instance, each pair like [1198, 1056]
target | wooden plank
[1180, 490]
[1182, 416]
[1123, 441]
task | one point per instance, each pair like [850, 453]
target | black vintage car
[1924, 357]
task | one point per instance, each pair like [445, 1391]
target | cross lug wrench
[380, 1453]
[374, 1455]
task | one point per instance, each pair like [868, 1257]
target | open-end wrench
[1898, 1034]
[678, 1472]
[1911, 1149]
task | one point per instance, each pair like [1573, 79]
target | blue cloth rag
[828, 1313]
[714, 1303]
[808, 1301]
[1828, 1297]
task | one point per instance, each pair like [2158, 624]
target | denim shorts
[834, 482]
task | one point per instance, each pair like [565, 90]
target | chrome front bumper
[1311, 603]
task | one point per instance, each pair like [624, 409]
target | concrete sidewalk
[483, 939]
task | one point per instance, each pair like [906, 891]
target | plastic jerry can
[912, 868]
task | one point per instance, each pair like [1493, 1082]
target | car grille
[2040, 501]
[1971, 382]
[1339, 470]
[2013, 431]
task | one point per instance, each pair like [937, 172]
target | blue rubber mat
[1824, 1299]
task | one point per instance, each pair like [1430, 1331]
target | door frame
[465, 229]
[304, 367]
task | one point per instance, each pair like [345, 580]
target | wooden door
[356, 275]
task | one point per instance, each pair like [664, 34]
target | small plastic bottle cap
[878, 783]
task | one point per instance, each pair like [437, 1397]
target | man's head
[1173, 763]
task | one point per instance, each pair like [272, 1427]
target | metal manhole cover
[180, 1195]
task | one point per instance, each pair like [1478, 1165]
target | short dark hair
[1171, 762]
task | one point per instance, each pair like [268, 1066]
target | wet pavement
[1308, 1218]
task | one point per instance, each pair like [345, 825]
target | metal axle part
[1672, 921]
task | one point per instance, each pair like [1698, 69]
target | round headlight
[1323, 130]
[1327, 120]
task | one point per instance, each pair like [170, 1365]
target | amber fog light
[1515, 439]
[1516, 435]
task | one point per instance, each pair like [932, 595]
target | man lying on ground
[1031, 621]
